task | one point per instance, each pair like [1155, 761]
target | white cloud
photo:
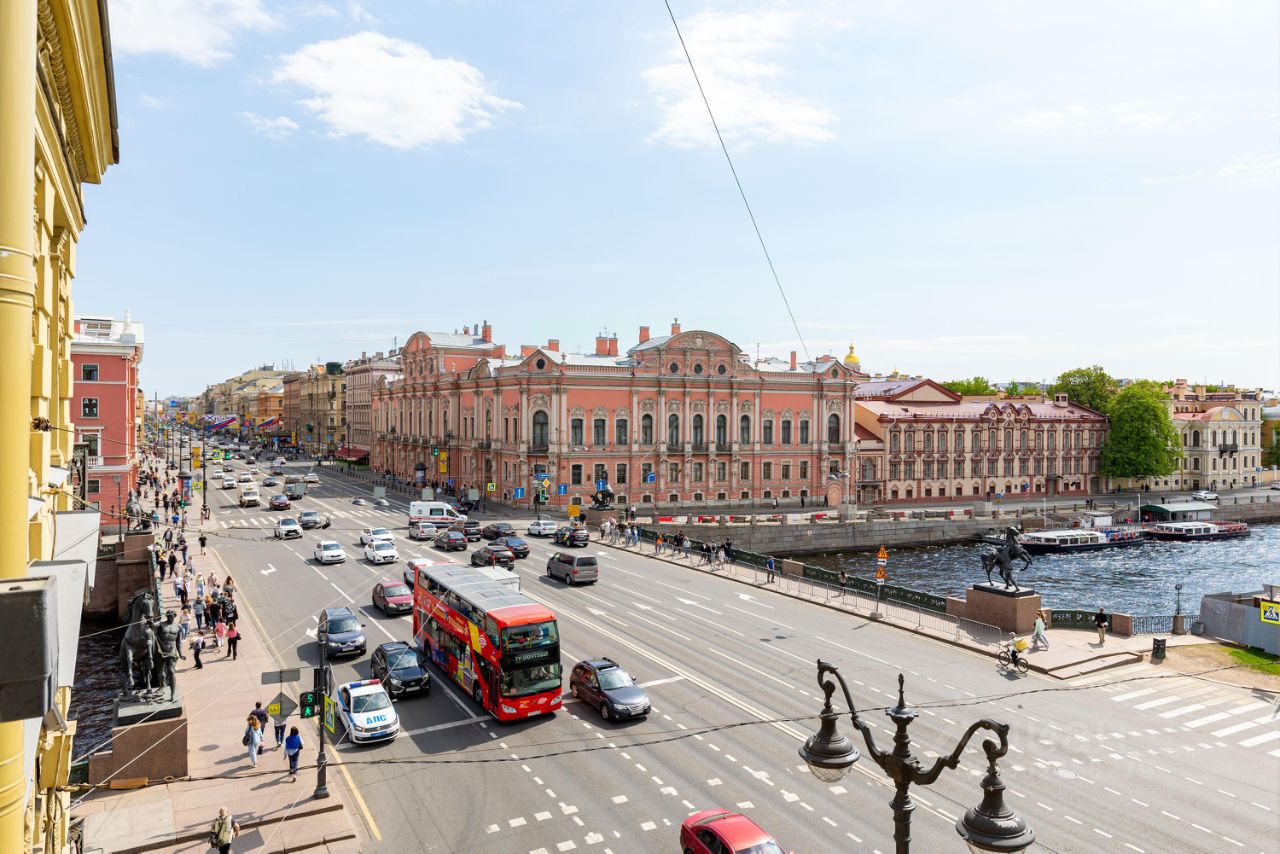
[391, 91]
[277, 128]
[149, 101]
[1253, 168]
[197, 31]
[1077, 120]
[729, 51]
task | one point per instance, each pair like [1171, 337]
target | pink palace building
[688, 417]
[105, 355]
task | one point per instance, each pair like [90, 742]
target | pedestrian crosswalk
[1217, 712]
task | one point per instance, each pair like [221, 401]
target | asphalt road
[1128, 761]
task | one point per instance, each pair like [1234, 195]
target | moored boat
[1195, 531]
[1080, 540]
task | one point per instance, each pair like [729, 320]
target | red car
[724, 832]
[392, 597]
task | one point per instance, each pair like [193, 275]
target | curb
[248, 825]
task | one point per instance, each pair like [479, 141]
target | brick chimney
[675, 326]
[554, 345]
[613, 346]
[500, 351]
[793, 360]
[486, 332]
[527, 350]
[466, 330]
[644, 334]
[602, 345]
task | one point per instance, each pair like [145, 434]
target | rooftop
[98, 329]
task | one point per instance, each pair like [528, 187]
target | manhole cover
[1066, 773]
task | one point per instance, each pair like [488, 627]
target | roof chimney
[675, 326]
[602, 345]
[527, 350]
[500, 351]
[644, 334]
[554, 345]
[793, 360]
[466, 330]
[486, 332]
[613, 346]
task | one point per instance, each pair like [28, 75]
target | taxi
[366, 711]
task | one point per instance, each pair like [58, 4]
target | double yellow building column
[17, 297]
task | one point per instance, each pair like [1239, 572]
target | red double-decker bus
[499, 645]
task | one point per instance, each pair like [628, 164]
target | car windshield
[532, 636]
[285, 523]
[395, 590]
[515, 541]
[331, 547]
[766, 847]
[377, 532]
[402, 660]
[309, 514]
[370, 702]
[343, 624]
[383, 546]
[531, 680]
[615, 677]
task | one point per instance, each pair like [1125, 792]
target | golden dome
[852, 359]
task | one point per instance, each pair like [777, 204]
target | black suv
[340, 632]
[471, 529]
[568, 536]
[602, 683]
[497, 529]
[493, 555]
[398, 666]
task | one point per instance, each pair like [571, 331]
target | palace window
[744, 470]
[804, 469]
[722, 471]
[696, 474]
[673, 472]
[893, 442]
[928, 469]
[786, 431]
[620, 435]
[575, 432]
[895, 471]
[804, 431]
[722, 430]
[942, 441]
[646, 469]
[744, 429]
[766, 471]
[767, 426]
[786, 471]
[868, 469]
[1022, 440]
[1008, 440]
[575, 474]
[698, 437]
[673, 429]
[601, 472]
[911, 441]
[833, 428]
[910, 470]
[942, 468]
[928, 444]
[646, 429]
[620, 475]
[598, 432]
[88, 373]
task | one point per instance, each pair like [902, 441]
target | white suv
[381, 551]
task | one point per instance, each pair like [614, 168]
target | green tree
[974, 385]
[1092, 387]
[1141, 440]
[1013, 389]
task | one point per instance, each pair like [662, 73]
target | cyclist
[1013, 649]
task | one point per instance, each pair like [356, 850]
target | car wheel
[604, 711]
[573, 689]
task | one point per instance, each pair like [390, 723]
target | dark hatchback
[518, 547]
[604, 684]
[451, 541]
[471, 529]
[493, 555]
[309, 519]
[400, 669]
[568, 536]
[497, 529]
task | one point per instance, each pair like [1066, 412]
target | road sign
[880, 575]
[329, 713]
[574, 510]
[517, 493]
[880, 561]
[546, 483]
[307, 699]
[444, 455]
[602, 485]
[883, 554]
[562, 489]
[198, 485]
[281, 707]
[651, 477]
[1269, 612]
[444, 468]
[490, 487]
[279, 677]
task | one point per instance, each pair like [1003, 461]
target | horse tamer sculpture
[1003, 558]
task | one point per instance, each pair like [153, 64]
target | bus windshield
[532, 636]
[530, 680]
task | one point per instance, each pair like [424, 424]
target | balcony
[485, 445]
[94, 462]
[536, 447]
[1228, 449]
[698, 447]
[723, 447]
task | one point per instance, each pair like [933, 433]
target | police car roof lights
[362, 683]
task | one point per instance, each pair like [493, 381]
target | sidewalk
[1071, 652]
[274, 814]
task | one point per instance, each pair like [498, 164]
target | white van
[436, 512]
[249, 496]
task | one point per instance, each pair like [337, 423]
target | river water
[1137, 580]
[97, 683]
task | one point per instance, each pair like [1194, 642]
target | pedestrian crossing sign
[1269, 612]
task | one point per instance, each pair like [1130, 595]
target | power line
[736, 180]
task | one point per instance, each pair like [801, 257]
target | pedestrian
[229, 586]
[631, 514]
[1100, 620]
[184, 623]
[168, 537]
[825, 501]
[769, 568]
[843, 578]
[199, 587]
[184, 519]
[173, 564]
[802, 501]
[775, 504]
[230, 612]
[684, 544]
[253, 739]
[261, 714]
[1037, 633]
[197, 646]
[233, 638]
[728, 551]
[657, 544]
[165, 504]
[223, 831]
[292, 752]
[279, 732]
[219, 632]
[197, 608]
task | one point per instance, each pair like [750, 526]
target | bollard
[1157, 649]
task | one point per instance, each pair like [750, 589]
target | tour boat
[1195, 531]
[1080, 540]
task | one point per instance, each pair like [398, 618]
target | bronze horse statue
[137, 648]
[1004, 557]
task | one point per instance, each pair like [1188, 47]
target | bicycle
[1004, 660]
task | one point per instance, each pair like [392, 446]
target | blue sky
[960, 188]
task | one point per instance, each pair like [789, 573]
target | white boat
[1193, 531]
[1079, 540]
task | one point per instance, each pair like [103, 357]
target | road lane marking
[1260, 739]
[654, 682]
[765, 617]
[340, 590]
[711, 622]
[270, 569]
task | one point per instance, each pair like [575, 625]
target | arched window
[833, 428]
[722, 430]
[1022, 440]
[598, 431]
[804, 431]
[868, 469]
[928, 442]
[488, 424]
[646, 429]
[1195, 438]
[575, 432]
[911, 441]
[942, 441]
[673, 429]
[744, 429]
[539, 428]
[1233, 437]
[959, 439]
[977, 439]
[698, 437]
[1213, 438]
[893, 442]
[786, 431]
[1008, 440]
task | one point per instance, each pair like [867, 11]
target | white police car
[366, 711]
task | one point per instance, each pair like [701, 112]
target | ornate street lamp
[830, 755]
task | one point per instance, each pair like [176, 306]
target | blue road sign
[451, 481]
[651, 477]
[562, 489]
[602, 484]
[518, 492]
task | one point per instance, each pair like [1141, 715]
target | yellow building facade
[58, 131]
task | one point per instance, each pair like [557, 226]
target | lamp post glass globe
[830, 755]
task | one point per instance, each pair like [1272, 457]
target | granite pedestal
[996, 605]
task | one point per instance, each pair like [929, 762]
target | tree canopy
[1141, 441]
[973, 385]
[1013, 389]
[1092, 387]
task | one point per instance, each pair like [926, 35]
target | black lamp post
[990, 826]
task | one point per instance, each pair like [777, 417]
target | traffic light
[307, 704]
[435, 452]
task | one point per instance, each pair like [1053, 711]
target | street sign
[1269, 612]
[329, 713]
[490, 487]
[307, 699]
[279, 677]
[198, 485]
[562, 489]
[883, 554]
[574, 510]
[517, 493]
[601, 485]
[444, 468]
[651, 477]
[546, 483]
[444, 455]
[281, 707]
[880, 561]
[880, 575]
